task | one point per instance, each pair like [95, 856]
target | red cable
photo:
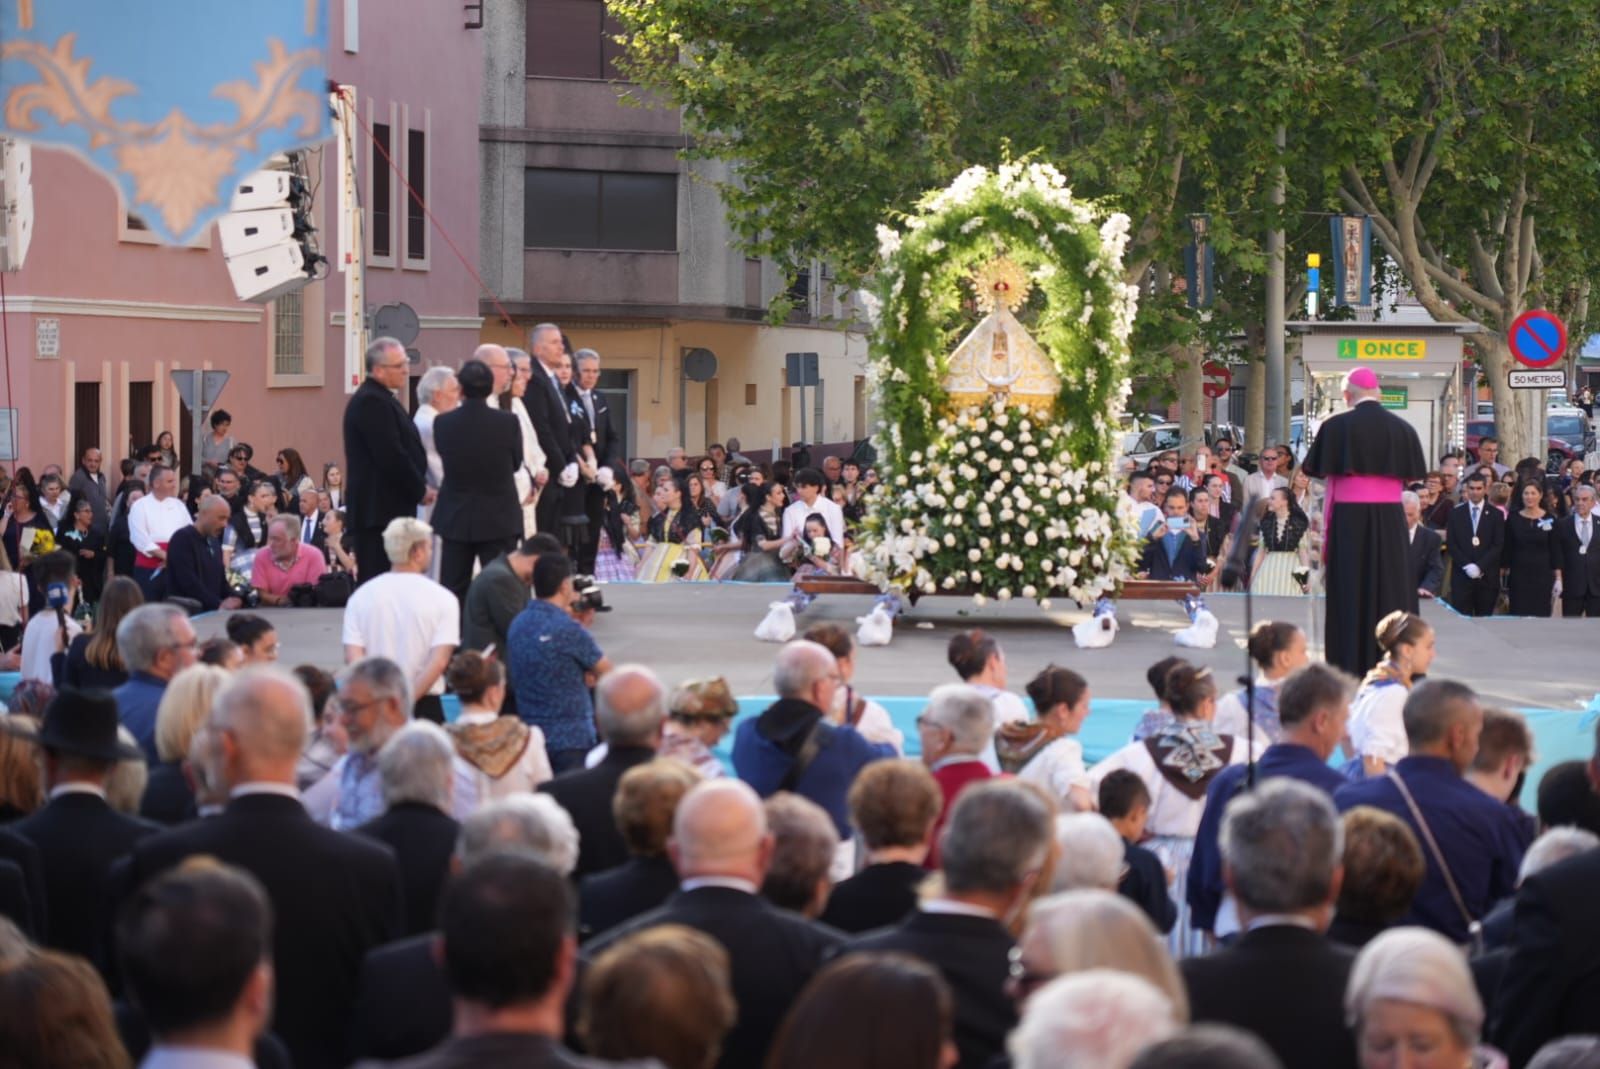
[431, 217]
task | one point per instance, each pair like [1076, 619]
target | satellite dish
[699, 365]
[397, 321]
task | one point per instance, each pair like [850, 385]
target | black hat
[82, 723]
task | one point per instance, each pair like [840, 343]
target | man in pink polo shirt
[1366, 456]
[286, 563]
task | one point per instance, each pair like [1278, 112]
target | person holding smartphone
[1173, 549]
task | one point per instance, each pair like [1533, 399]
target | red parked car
[1557, 452]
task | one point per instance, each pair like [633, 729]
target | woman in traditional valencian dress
[1283, 551]
[1377, 723]
[1177, 765]
[1278, 649]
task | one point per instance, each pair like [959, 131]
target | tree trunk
[1517, 433]
[1255, 397]
[1191, 401]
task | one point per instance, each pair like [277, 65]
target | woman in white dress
[1278, 649]
[1283, 562]
[532, 456]
[1177, 765]
[508, 755]
[1046, 751]
[1377, 724]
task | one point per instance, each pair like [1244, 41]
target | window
[600, 210]
[571, 39]
[288, 334]
[800, 289]
[417, 175]
[382, 190]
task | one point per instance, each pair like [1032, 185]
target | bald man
[630, 707]
[194, 558]
[334, 896]
[721, 848]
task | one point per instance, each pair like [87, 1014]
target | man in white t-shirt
[809, 498]
[152, 521]
[1141, 484]
[405, 616]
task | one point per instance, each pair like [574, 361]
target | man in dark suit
[402, 1004]
[78, 835]
[477, 512]
[607, 441]
[1173, 549]
[547, 410]
[630, 707]
[311, 520]
[386, 468]
[1474, 538]
[194, 559]
[1551, 985]
[722, 848]
[1282, 979]
[17, 851]
[334, 896]
[998, 838]
[506, 929]
[1576, 549]
[16, 905]
[1422, 549]
[416, 767]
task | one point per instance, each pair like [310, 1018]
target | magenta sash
[1356, 490]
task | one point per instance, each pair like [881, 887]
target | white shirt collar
[960, 909]
[265, 787]
[77, 788]
[481, 716]
[731, 882]
[163, 1057]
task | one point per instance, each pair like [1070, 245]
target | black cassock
[1367, 575]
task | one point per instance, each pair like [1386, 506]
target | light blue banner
[174, 100]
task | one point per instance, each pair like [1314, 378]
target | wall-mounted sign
[1365, 349]
[47, 339]
[1395, 396]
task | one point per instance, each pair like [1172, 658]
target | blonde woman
[169, 798]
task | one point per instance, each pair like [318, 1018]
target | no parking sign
[1537, 338]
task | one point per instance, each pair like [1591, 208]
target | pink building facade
[100, 315]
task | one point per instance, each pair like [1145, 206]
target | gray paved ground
[691, 630]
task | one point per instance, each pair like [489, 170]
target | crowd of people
[218, 862]
[1486, 538]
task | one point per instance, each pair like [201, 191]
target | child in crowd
[1125, 802]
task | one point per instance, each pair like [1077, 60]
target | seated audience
[1125, 801]
[1410, 988]
[849, 707]
[644, 806]
[255, 636]
[721, 847]
[839, 1018]
[630, 707]
[1097, 1019]
[981, 663]
[1282, 978]
[1076, 931]
[416, 770]
[93, 659]
[661, 993]
[508, 755]
[1208, 1046]
[1383, 869]
[1089, 853]
[954, 731]
[1045, 752]
[168, 796]
[156, 643]
[699, 714]
[195, 566]
[803, 845]
[55, 1014]
[893, 806]
[992, 854]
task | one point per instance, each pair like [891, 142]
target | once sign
[1365, 349]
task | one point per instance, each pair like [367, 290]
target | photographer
[552, 661]
[589, 601]
[1173, 550]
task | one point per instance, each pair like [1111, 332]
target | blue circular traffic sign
[1537, 338]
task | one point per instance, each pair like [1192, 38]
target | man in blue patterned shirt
[553, 661]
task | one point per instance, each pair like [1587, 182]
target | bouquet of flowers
[43, 542]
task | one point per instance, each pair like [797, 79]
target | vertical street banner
[1199, 262]
[173, 101]
[1352, 261]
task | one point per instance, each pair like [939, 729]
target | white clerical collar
[77, 788]
[959, 909]
[265, 787]
[1281, 920]
[732, 883]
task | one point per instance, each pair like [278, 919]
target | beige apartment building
[592, 221]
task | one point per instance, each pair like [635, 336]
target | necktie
[1584, 531]
[1475, 511]
[588, 406]
[308, 529]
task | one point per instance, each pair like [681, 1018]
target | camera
[590, 598]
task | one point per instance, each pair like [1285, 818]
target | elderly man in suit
[606, 438]
[78, 835]
[991, 855]
[1576, 549]
[438, 392]
[1282, 848]
[335, 896]
[547, 409]
[386, 467]
[1422, 549]
[88, 483]
[722, 849]
[477, 514]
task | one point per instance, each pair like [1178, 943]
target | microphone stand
[1235, 572]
